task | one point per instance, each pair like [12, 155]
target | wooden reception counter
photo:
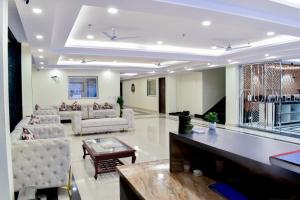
[238, 159]
[153, 181]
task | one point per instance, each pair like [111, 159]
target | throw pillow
[63, 107]
[37, 107]
[34, 120]
[76, 106]
[96, 106]
[107, 106]
[27, 134]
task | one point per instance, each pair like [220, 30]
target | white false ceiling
[178, 23]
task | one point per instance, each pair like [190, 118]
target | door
[162, 95]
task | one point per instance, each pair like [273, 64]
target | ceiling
[186, 43]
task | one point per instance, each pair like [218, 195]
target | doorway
[162, 95]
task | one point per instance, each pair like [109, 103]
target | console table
[238, 159]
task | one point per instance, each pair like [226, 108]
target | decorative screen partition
[270, 97]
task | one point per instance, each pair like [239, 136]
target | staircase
[219, 108]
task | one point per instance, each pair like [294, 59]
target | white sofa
[102, 113]
[48, 111]
[43, 162]
[89, 126]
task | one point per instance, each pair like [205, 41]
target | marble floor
[151, 140]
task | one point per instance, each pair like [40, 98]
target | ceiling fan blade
[108, 35]
[126, 38]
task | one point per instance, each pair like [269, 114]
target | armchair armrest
[76, 122]
[40, 163]
[129, 116]
[45, 131]
[49, 119]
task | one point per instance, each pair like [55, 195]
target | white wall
[48, 92]
[6, 178]
[139, 98]
[26, 80]
[189, 92]
[232, 95]
[213, 87]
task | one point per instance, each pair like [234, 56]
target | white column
[6, 179]
[27, 103]
[232, 95]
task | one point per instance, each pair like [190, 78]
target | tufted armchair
[43, 162]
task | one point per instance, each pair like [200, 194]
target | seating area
[149, 100]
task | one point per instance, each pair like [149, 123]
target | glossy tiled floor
[150, 139]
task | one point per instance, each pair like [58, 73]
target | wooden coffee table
[105, 153]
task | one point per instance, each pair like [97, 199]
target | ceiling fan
[113, 36]
[84, 61]
[230, 48]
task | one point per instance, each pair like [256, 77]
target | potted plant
[120, 101]
[212, 118]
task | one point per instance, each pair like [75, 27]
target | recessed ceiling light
[159, 42]
[208, 64]
[266, 55]
[41, 63]
[206, 23]
[37, 10]
[129, 74]
[214, 47]
[188, 69]
[112, 10]
[90, 37]
[270, 33]
[40, 50]
[229, 60]
[271, 57]
[39, 37]
[171, 72]
[42, 67]
[70, 59]
[41, 56]
[152, 72]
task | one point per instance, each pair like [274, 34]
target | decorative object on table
[212, 118]
[132, 88]
[185, 125]
[120, 101]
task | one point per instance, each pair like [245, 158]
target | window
[83, 87]
[151, 87]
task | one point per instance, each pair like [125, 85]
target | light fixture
[206, 23]
[42, 67]
[208, 64]
[152, 72]
[37, 10]
[39, 37]
[229, 60]
[112, 10]
[267, 55]
[90, 37]
[159, 42]
[129, 74]
[235, 62]
[41, 56]
[171, 72]
[270, 33]
[271, 57]
[41, 63]
[214, 47]
[188, 69]
[40, 50]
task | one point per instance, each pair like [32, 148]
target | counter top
[236, 143]
[153, 181]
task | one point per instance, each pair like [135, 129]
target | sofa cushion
[75, 106]
[63, 107]
[107, 106]
[103, 122]
[34, 120]
[96, 106]
[27, 134]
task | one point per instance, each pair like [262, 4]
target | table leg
[84, 152]
[133, 159]
[96, 170]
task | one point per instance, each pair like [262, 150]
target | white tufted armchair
[43, 162]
